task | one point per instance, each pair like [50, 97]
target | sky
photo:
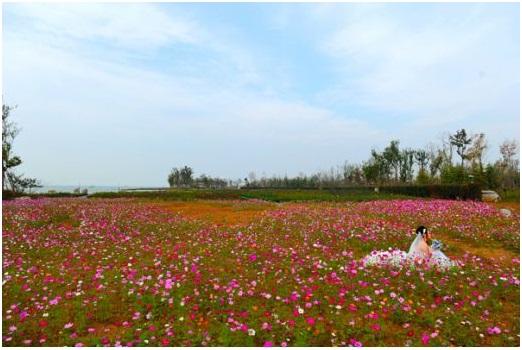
[118, 94]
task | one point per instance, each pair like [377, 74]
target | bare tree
[508, 150]
[476, 151]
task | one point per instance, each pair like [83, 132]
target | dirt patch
[499, 255]
[221, 212]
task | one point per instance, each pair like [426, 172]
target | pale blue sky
[119, 94]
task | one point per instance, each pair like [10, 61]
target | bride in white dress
[420, 249]
[419, 252]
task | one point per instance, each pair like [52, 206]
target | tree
[460, 140]
[382, 166]
[371, 171]
[186, 175]
[491, 177]
[393, 156]
[174, 177]
[406, 165]
[508, 165]
[16, 183]
[476, 151]
[352, 174]
[9, 160]
[508, 150]
[421, 156]
[437, 160]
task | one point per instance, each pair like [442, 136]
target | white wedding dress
[419, 252]
[419, 249]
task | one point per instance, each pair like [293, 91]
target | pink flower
[252, 257]
[375, 327]
[425, 339]
[168, 284]
[267, 344]
[23, 315]
[310, 321]
[78, 345]
[68, 325]
[494, 330]
[355, 343]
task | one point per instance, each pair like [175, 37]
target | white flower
[251, 332]
[300, 310]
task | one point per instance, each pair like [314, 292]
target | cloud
[133, 26]
[118, 94]
[91, 118]
[438, 68]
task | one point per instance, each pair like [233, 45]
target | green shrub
[464, 192]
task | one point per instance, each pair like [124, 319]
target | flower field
[91, 272]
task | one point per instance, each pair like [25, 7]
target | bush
[464, 192]
[7, 194]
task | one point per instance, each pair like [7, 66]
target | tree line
[459, 159]
[183, 178]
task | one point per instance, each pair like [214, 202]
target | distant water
[90, 189]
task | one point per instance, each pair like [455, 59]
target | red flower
[375, 327]
[43, 323]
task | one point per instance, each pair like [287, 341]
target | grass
[510, 196]
[273, 195]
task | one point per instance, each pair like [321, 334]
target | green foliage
[453, 174]
[461, 141]
[465, 192]
[10, 180]
[422, 178]
[510, 195]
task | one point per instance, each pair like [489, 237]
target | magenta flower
[355, 343]
[23, 315]
[375, 327]
[268, 344]
[310, 321]
[494, 330]
[425, 339]
[168, 284]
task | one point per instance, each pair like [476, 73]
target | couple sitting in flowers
[420, 252]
